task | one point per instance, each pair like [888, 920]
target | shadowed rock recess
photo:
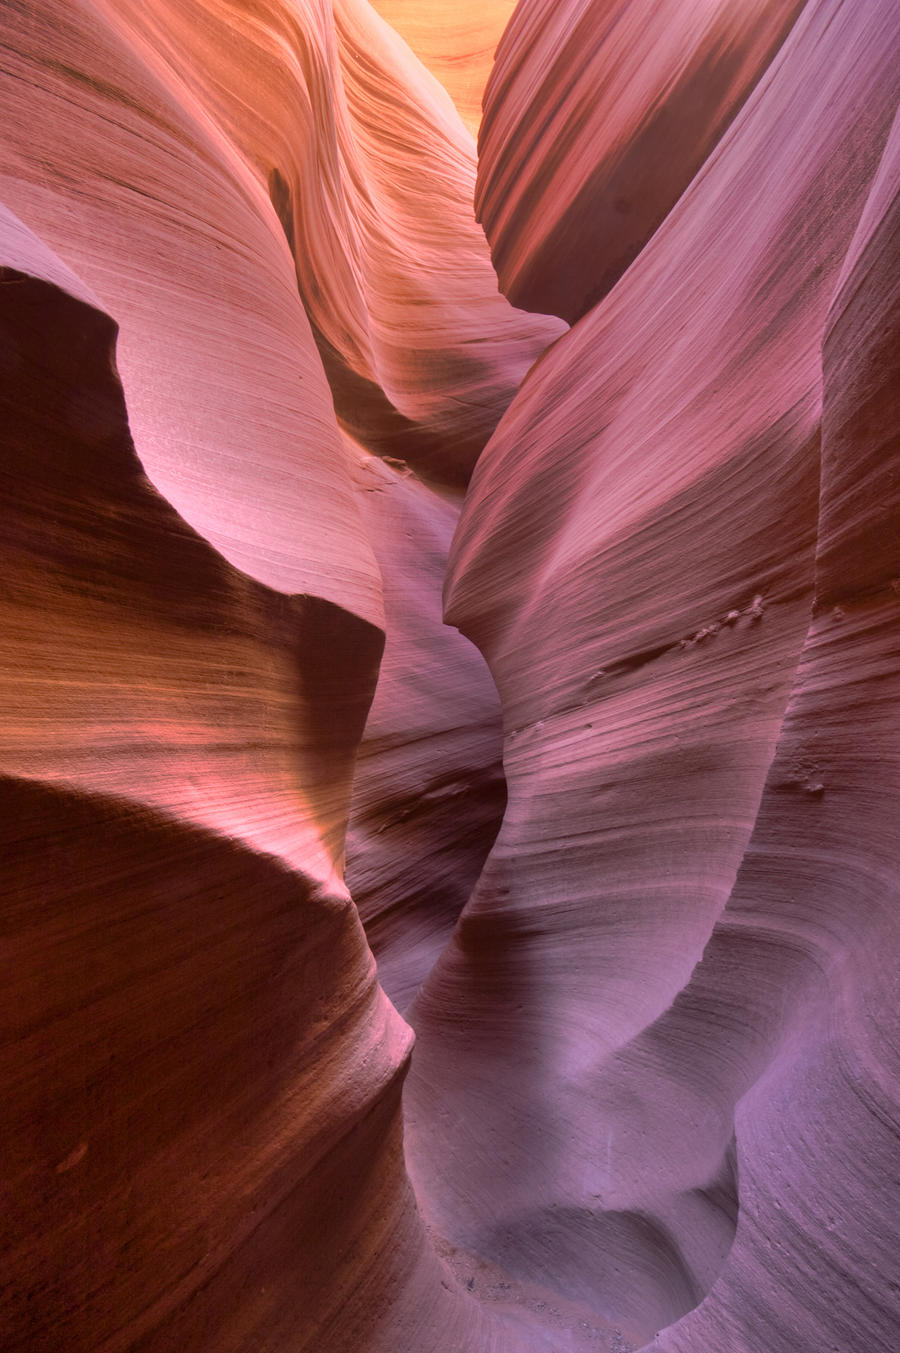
[449, 760]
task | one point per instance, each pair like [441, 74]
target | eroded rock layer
[632, 879]
[596, 118]
[657, 481]
[429, 790]
[806, 1044]
[202, 1074]
[371, 173]
[456, 42]
[171, 901]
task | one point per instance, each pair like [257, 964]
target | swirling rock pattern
[198, 1059]
[372, 174]
[630, 872]
[159, 216]
[657, 480]
[456, 43]
[811, 1057]
[429, 790]
[172, 900]
[597, 116]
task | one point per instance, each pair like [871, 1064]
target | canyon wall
[525, 983]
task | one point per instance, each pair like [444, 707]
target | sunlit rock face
[371, 173]
[600, 878]
[456, 42]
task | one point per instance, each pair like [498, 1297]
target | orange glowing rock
[455, 41]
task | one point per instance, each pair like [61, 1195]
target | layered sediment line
[636, 559]
[371, 173]
[597, 116]
[628, 872]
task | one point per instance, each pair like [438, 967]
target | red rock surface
[183, 698]
[98, 154]
[597, 116]
[372, 174]
[251, 346]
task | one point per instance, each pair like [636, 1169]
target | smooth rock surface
[173, 814]
[656, 481]
[203, 1076]
[597, 116]
[371, 173]
[429, 790]
[456, 42]
[629, 873]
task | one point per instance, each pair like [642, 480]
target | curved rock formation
[809, 1052]
[372, 174]
[636, 894]
[157, 213]
[196, 1054]
[155, 895]
[201, 1117]
[456, 43]
[656, 482]
[597, 116]
[429, 790]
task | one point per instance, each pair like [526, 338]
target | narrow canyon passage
[449, 745]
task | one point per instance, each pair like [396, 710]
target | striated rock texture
[371, 173]
[597, 116]
[456, 42]
[429, 790]
[628, 874]
[157, 213]
[201, 1110]
[202, 1074]
[668, 483]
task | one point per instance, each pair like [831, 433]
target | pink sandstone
[365, 992]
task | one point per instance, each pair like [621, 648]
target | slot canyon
[450, 676]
